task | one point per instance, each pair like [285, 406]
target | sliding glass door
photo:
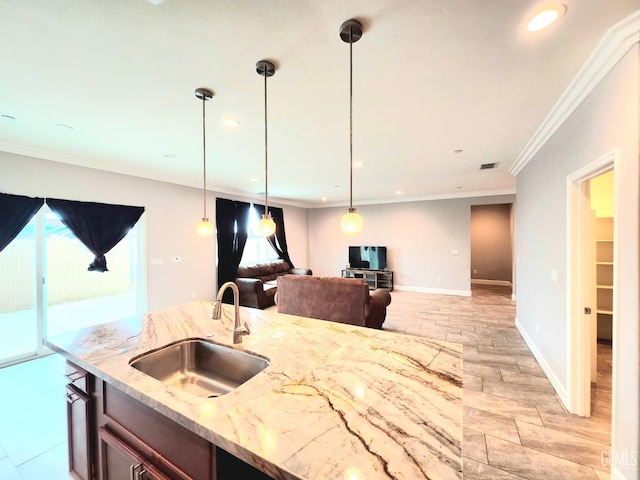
[77, 298]
[18, 296]
[45, 288]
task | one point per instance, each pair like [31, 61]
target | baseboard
[437, 291]
[480, 281]
[555, 381]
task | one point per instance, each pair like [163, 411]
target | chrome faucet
[238, 330]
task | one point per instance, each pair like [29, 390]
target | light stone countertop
[337, 402]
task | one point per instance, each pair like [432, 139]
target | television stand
[374, 278]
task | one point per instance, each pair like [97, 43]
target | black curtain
[232, 221]
[15, 213]
[279, 240]
[98, 226]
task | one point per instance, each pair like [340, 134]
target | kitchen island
[336, 402]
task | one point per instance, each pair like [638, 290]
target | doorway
[590, 307]
[492, 245]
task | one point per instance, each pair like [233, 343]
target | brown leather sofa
[258, 283]
[344, 300]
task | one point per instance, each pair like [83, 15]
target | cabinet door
[79, 434]
[121, 462]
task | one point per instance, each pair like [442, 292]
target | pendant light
[266, 226]
[204, 227]
[351, 222]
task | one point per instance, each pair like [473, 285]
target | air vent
[488, 166]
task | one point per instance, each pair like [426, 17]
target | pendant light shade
[266, 226]
[351, 222]
[204, 228]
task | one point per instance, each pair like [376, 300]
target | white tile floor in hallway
[514, 425]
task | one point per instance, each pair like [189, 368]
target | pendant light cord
[266, 174]
[204, 159]
[350, 118]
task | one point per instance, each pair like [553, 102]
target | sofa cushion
[344, 300]
[249, 271]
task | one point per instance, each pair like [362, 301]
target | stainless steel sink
[200, 367]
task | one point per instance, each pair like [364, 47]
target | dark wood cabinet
[119, 461]
[113, 436]
[79, 424]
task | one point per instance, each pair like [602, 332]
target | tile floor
[33, 426]
[514, 425]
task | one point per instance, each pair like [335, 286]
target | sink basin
[200, 367]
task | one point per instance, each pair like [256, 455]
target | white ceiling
[430, 77]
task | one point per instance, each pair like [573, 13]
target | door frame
[578, 331]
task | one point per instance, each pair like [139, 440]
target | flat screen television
[368, 258]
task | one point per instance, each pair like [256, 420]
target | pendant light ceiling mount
[265, 68]
[266, 226]
[350, 32]
[204, 227]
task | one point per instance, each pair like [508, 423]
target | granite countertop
[337, 402]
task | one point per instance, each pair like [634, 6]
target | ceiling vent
[488, 166]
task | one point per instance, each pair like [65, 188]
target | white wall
[171, 214]
[419, 237]
[606, 120]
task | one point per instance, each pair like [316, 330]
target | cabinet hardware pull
[73, 376]
[132, 471]
[140, 474]
[72, 397]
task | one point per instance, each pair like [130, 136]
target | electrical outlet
[439, 279]
[176, 259]
[475, 270]
[193, 294]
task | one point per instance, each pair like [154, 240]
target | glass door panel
[77, 298]
[18, 297]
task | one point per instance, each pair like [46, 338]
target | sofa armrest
[250, 285]
[300, 271]
[378, 302]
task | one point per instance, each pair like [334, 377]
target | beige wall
[419, 236]
[171, 214]
[606, 121]
[601, 194]
[491, 243]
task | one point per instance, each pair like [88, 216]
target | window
[72, 291]
[45, 288]
[257, 249]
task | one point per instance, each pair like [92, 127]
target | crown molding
[615, 44]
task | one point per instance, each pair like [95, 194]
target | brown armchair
[344, 300]
[258, 283]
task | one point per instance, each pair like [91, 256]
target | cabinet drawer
[77, 377]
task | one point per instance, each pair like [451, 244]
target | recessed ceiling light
[546, 17]
[253, 180]
[398, 192]
[231, 122]
[458, 151]
[323, 199]
[170, 155]
[63, 126]
[358, 163]
[7, 117]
